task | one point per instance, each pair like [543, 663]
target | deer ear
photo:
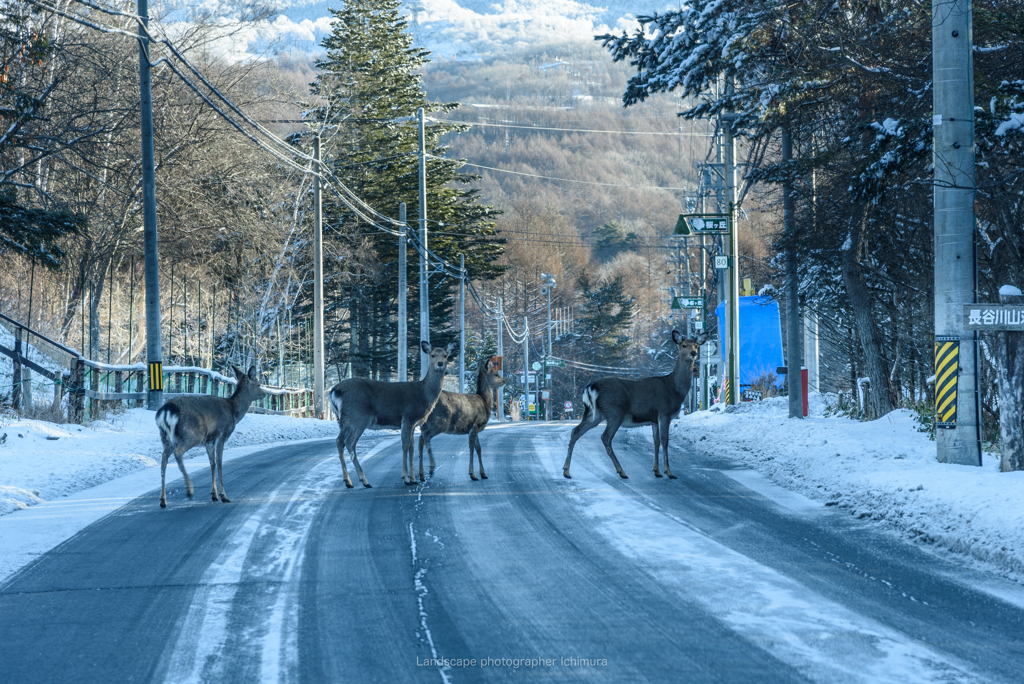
[424, 346]
[452, 347]
[252, 372]
[702, 338]
[677, 337]
[238, 371]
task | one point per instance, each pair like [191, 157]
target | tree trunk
[1009, 353]
[882, 400]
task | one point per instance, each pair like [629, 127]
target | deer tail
[334, 396]
[167, 420]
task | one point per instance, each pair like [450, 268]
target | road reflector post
[947, 364]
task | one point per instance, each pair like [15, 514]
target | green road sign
[692, 302]
[676, 304]
[702, 224]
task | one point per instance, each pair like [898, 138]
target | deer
[362, 403]
[462, 414]
[653, 401]
[186, 422]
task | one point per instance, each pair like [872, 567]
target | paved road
[715, 576]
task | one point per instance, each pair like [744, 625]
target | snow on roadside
[884, 470]
[41, 461]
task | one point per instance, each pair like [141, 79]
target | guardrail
[93, 387]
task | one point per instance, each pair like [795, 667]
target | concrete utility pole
[462, 323]
[154, 350]
[958, 439]
[794, 338]
[733, 307]
[424, 279]
[526, 364]
[501, 355]
[318, 286]
[549, 284]
[403, 295]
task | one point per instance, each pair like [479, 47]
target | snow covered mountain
[467, 29]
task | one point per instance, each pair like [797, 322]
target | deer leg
[654, 428]
[610, 428]
[430, 453]
[340, 441]
[355, 463]
[479, 455]
[179, 457]
[665, 422]
[211, 453]
[163, 475]
[220, 471]
[422, 479]
[472, 474]
[407, 453]
[589, 422]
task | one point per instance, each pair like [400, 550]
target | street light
[548, 284]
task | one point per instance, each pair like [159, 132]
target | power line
[576, 130]
[571, 180]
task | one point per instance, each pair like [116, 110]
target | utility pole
[549, 284]
[733, 313]
[501, 355]
[462, 323]
[794, 338]
[403, 295]
[318, 286]
[154, 351]
[958, 437]
[526, 364]
[424, 280]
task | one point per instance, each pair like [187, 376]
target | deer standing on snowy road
[186, 422]
[462, 414]
[362, 403]
[634, 403]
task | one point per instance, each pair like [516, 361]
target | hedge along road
[715, 576]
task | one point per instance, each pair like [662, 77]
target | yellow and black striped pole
[947, 363]
[156, 377]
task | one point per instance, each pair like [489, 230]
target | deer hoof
[566, 475]
[214, 497]
[367, 485]
[657, 473]
[348, 484]
[225, 499]
[163, 504]
[482, 476]
[472, 477]
[623, 475]
[189, 494]
[672, 477]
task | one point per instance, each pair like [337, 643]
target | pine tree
[368, 81]
[605, 315]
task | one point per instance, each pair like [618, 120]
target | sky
[451, 29]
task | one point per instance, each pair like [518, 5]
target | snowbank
[884, 470]
[42, 461]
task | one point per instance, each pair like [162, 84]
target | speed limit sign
[568, 406]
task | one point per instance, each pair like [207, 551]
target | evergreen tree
[605, 315]
[369, 81]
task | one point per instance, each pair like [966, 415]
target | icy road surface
[716, 576]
